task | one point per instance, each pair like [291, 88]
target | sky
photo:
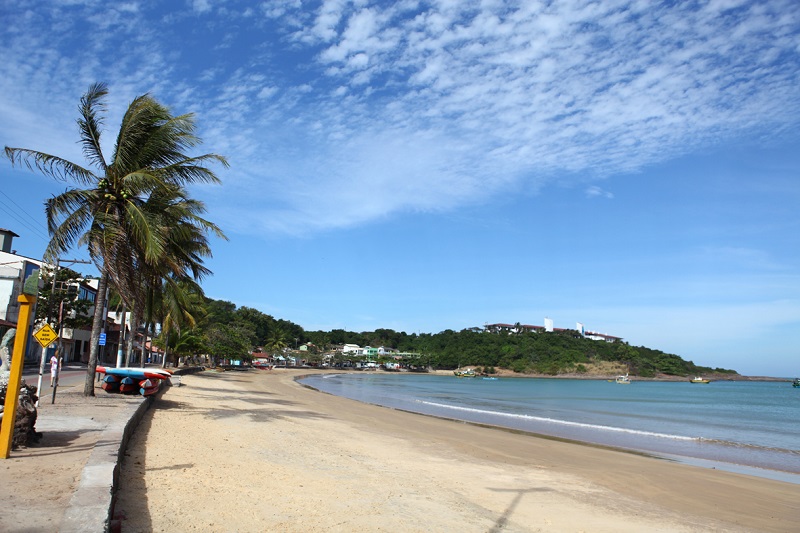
[432, 165]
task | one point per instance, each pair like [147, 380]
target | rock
[25, 433]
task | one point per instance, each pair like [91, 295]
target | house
[14, 270]
[548, 327]
[601, 337]
[500, 328]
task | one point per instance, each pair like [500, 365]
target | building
[548, 327]
[14, 270]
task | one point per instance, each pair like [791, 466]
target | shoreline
[262, 451]
[771, 468]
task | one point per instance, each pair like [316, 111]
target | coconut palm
[108, 215]
[170, 281]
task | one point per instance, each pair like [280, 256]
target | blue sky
[425, 166]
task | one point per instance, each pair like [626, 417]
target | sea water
[750, 427]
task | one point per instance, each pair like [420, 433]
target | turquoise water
[749, 424]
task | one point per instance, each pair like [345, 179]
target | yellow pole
[12, 393]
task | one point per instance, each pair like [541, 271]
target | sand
[255, 451]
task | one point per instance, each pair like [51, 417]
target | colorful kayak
[136, 373]
[111, 383]
[148, 386]
[128, 385]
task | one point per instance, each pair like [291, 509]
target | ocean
[742, 426]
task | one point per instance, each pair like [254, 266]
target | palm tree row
[146, 236]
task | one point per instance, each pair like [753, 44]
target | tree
[107, 215]
[229, 341]
[277, 341]
[66, 298]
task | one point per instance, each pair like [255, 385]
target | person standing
[54, 363]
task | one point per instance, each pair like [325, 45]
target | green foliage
[543, 353]
[74, 311]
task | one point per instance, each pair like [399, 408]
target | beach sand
[256, 451]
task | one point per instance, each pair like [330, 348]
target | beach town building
[548, 327]
[14, 270]
[354, 349]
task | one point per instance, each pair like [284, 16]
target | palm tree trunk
[136, 318]
[166, 351]
[99, 309]
[121, 344]
[144, 350]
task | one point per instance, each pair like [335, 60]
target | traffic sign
[46, 335]
[102, 340]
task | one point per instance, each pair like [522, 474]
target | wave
[701, 440]
[747, 446]
[562, 422]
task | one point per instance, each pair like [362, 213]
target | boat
[490, 378]
[138, 373]
[110, 384]
[149, 386]
[128, 385]
[468, 373]
[698, 379]
[623, 380]
[796, 382]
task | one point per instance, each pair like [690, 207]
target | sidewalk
[67, 481]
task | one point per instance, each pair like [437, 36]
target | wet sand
[256, 451]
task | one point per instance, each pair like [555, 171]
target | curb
[93, 501]
[92, 505]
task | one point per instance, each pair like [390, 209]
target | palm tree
[177, 307]
[276, 341]
[108, 215]
[172, 279]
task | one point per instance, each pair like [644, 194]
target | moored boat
[623, 380]
[796, 382]
[699, 379]
[468, 373]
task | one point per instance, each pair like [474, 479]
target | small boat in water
[468, 373]
[796, 382]
[623, 380]
[698, 379]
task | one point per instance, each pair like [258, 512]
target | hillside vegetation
[230, 332]
[553, 353]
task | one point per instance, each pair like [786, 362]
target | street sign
[102, 341]
[46, 335]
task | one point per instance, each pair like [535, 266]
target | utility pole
[60, 345]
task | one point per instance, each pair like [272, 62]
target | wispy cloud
[350, 111]
[594, 191]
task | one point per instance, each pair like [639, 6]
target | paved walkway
[67, 481]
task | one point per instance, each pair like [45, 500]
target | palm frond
[51, 165]
[90, 123]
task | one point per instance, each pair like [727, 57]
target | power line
[35, 226]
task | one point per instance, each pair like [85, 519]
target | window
[86, 294]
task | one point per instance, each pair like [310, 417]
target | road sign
[102, 341]
[46, 335]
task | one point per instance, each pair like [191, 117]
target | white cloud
[594, 191]
[201, 6]
[423, 105]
